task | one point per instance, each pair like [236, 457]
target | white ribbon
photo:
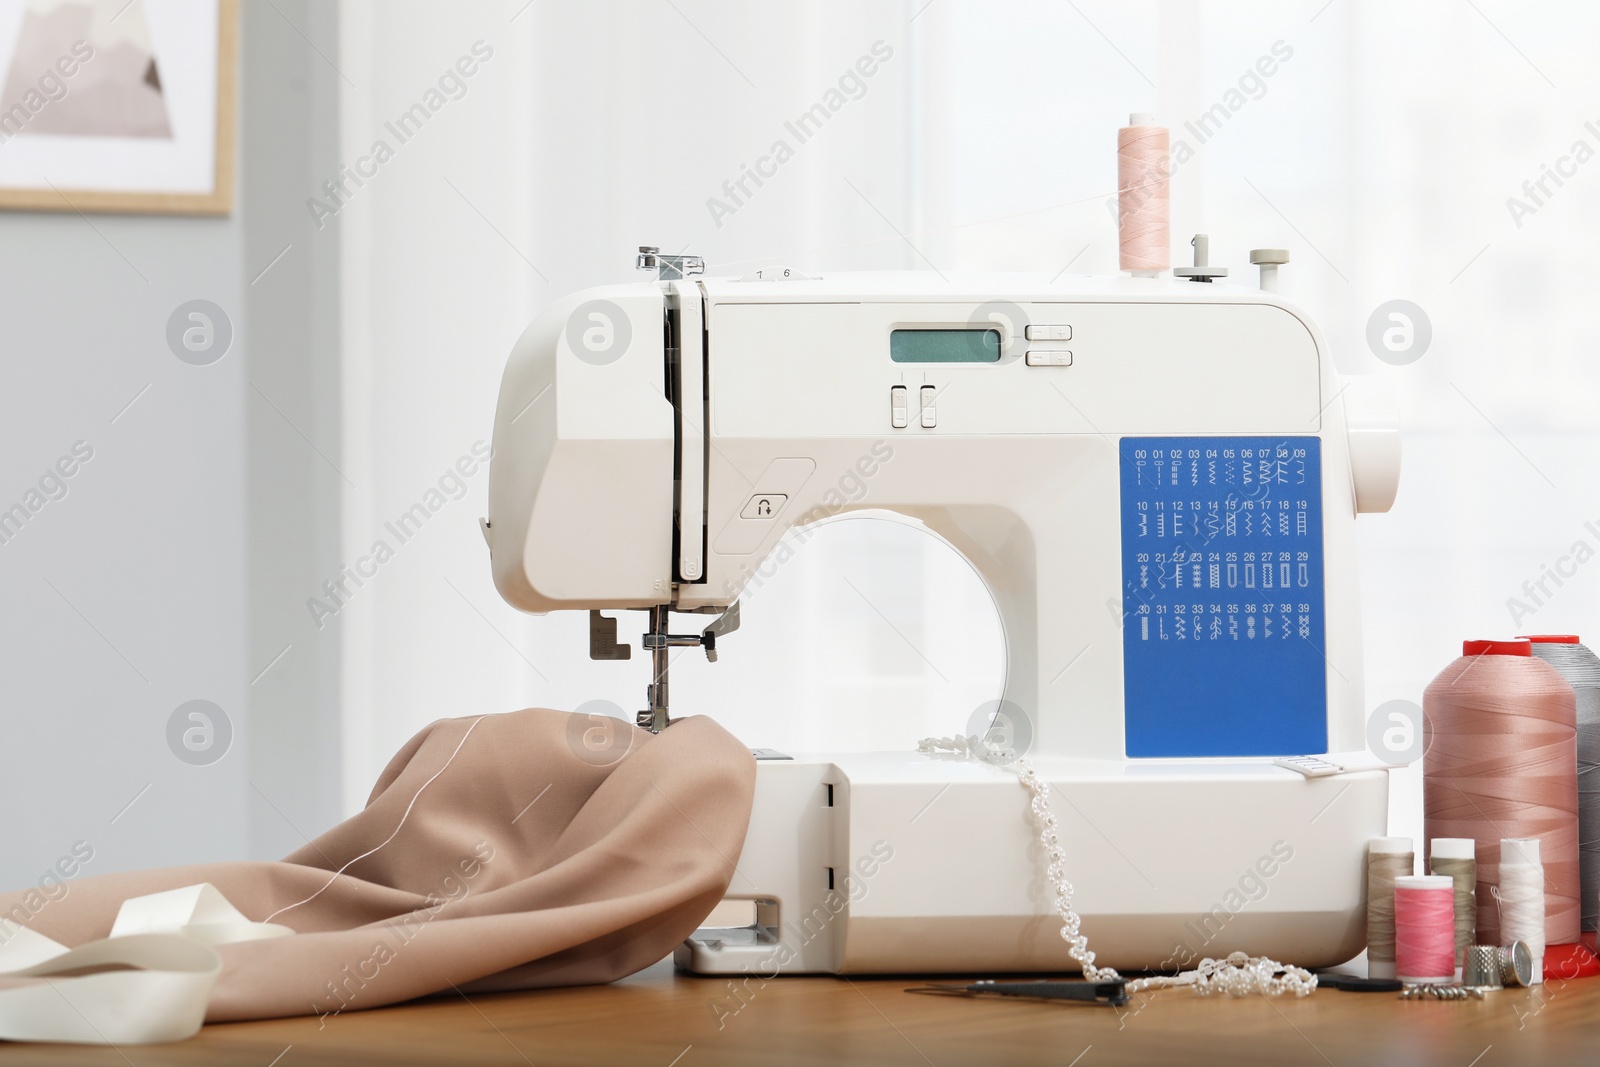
[150, 981]
[198, 912]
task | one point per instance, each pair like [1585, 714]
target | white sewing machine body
[1160, 652]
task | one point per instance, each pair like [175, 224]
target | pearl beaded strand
[1236, 975]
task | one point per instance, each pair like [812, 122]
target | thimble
[1480, 967]
[1516, 964]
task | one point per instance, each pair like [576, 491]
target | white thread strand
[335, 876]
[1237, 975]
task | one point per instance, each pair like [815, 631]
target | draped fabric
[513, 851]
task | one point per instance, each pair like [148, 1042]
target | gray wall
[159, 577]
[292, 400]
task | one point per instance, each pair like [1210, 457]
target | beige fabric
[500, 852]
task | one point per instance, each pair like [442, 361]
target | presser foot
[653, 719]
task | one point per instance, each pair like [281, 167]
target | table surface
[658, 1018]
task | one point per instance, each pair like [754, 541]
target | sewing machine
[1157, 479]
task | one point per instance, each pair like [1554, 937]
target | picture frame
[150, 130]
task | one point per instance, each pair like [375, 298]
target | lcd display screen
[944, 346]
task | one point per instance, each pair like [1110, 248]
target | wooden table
[661, 1019]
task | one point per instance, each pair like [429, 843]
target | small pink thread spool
[1143, 196]
[1424, 928]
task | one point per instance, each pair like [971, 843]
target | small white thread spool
[1388, 858]
[1521, 898]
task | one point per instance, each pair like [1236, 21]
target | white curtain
[1378, 142]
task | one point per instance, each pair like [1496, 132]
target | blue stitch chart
[1223, 626]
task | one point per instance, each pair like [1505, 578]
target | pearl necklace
[1237, 975]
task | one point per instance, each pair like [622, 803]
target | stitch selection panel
[1222, 608]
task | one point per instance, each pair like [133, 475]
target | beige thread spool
[1457, 859]
[1388, 858]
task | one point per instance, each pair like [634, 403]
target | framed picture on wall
[117, 105]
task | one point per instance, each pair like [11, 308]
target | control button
[898, 416]
[930, 418]
[1048, 333]
[1045, 357]
[764, 505]
[785, 477]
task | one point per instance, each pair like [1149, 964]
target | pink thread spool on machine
[1144, 197]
